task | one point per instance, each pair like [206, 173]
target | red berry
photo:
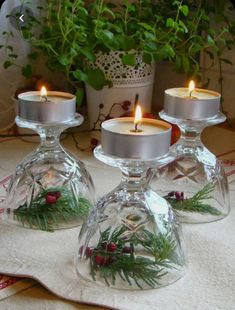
[100, 260]
[94, 141]
[57, 195]
[50, 199]
[177, 195]
[89, 251]
[126, 105]
[109, 260]
[111, 247]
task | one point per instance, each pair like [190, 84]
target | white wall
[228, 73]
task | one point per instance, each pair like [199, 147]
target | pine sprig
[162, 248]
[129, 268]
[116, 256]
[195, 203]
[46, 216]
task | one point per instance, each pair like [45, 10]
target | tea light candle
[191, 103]
[47, 107]
[135, 138]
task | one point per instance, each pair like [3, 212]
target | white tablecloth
[208, 284]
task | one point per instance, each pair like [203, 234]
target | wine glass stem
[190, 139]
[134, 177]
[50, 136]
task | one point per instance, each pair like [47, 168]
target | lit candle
[138, 118]
[191, 88]
[191, 103]
[136, 138]
[47, 107]
[43, 93]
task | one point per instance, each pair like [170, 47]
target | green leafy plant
[195, 203]
[69, 33]
[51, 207]
[117, 256]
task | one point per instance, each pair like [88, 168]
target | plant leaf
[184, 9]
[88, 54]
[168, 51]
[106, 34]
[13, 55]
[210, 40]
[9, 47]
[108, 11]
[129, 59]
[125, 42]
[186, 65]
[80, 75]
[227, 61]
[147, 58]
[96, 79]
[27, 71]
[63, 60]
[33, 55]
[151, 46]
[170, 22]
[146, 26]
[7, 64]
[79, 96]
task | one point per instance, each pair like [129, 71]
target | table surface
[13, 150]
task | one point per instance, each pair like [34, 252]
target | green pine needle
[195, 203]
[130, 267]
[48, 216]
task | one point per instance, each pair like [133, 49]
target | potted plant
[107, 44]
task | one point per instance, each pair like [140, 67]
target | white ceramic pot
[127, 82]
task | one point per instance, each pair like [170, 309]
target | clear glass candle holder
[131, 239]
[50, 189]
[195, 182]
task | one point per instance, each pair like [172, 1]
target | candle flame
[191, 88]
[138, 118]
[43, 91]
[138, 115]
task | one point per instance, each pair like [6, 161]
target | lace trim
[114, 70]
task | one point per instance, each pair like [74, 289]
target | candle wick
[136, 100]
[45, 98]
[190, 95]
[136, 127]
